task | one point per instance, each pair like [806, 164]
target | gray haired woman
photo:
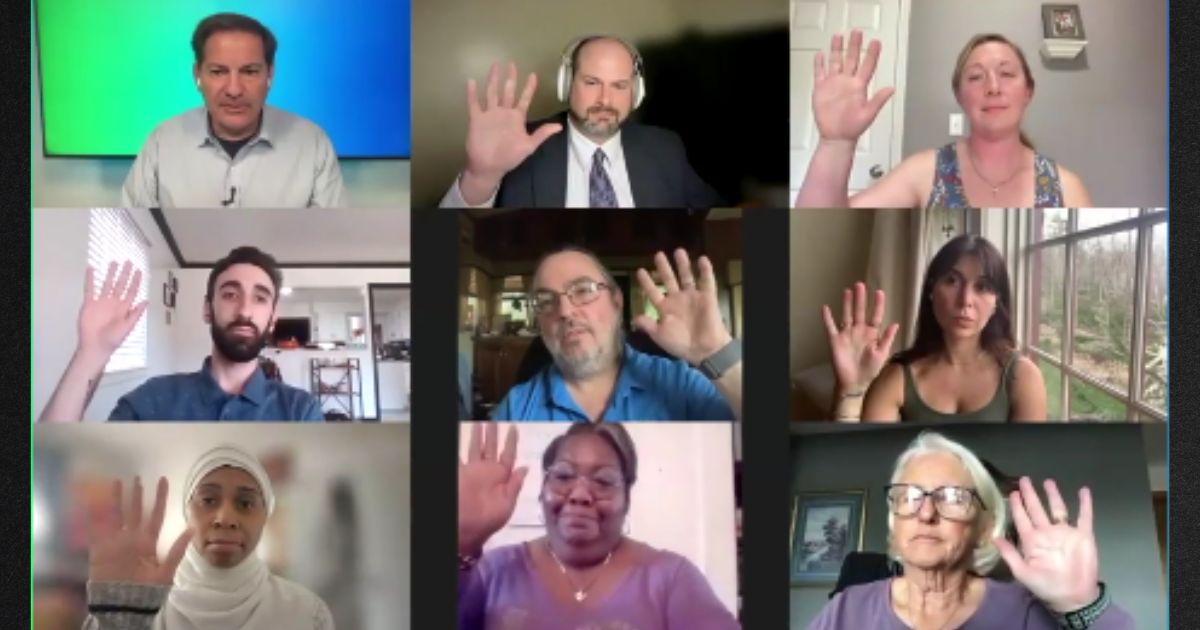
[946, 524]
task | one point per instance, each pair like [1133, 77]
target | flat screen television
[343, 65]
[298, 328]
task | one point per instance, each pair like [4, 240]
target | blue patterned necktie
[600, 188]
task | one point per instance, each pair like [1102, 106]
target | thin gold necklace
[581, 592]
[995, 187]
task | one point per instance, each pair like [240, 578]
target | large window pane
[1052, 375]
[1048, 271]
[1052, 222]
[1154, 360]
[1092, 403]
[1095, 217]
[1104, 272]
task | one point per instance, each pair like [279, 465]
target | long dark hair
[997, 336]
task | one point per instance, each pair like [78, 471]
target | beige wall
[457, 39]
[829, 250]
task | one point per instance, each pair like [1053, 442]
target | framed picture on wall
[1062, 21]
[826, 527]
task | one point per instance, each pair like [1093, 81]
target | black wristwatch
[1083, 618]
[715, 366]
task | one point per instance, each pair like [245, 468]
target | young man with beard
[597, 376]
[239, 307]
[602, 161]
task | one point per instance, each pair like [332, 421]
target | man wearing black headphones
[602, 161]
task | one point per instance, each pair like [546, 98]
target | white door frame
[897, 154]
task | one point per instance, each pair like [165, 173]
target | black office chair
[538, 357]
[861, 567]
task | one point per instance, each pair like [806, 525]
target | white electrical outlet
[956, 124]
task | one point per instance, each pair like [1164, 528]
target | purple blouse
[1005, 606]
[666, 592]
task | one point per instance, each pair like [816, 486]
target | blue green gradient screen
[113, 70]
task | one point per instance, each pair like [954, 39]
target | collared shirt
[648, 388]
[197, 396]
[290, 164]
[580, 154]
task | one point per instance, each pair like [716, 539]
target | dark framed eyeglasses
[951, 502]
[604, 483]
[578, 293]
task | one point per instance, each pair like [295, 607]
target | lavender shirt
[666, 592]
[1005, 606]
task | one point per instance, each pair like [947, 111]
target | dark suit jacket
[659, 173]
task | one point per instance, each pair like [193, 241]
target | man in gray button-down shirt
[236, 151]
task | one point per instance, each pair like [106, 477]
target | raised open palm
[106, 318]
[859, 346]
[497, 141]
[1057, 562]
[488, 486]
[840, 103]
[124, 548]
[689, 322]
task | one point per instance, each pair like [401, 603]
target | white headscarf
[245, 596]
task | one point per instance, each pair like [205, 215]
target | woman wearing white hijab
[216, 581]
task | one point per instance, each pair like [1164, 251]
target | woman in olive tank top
[963, 365]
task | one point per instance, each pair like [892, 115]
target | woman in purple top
[584, 573]
[947, 521]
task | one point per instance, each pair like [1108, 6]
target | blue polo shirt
[196, 396]
[648, 388]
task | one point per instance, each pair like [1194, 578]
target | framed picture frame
[826, 527]
[1062, 21]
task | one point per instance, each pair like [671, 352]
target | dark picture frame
[826, 527]
[1062, 21]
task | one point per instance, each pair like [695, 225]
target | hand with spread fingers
[106, 318]
[840, 104]
[859, 347]
[497, 139]
[1058, 562]
[488, 486]
[124, 548]
[689, 322]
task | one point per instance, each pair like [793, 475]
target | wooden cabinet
[496, 363]
[525, 235]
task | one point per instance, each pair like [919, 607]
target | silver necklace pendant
[580, 596]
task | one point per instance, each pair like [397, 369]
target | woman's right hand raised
[106, 319]
[860, 348]
[488, 486]
[124, 549]
[840, 104]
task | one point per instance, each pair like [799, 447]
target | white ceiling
[294, 236]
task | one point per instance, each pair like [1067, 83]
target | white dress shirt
[580, 153]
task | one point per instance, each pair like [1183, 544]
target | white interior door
[813, 23]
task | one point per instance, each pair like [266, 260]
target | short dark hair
[248, 255]
[223, 22]
[611, 432]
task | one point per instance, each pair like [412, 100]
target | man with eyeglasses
[596, 375]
